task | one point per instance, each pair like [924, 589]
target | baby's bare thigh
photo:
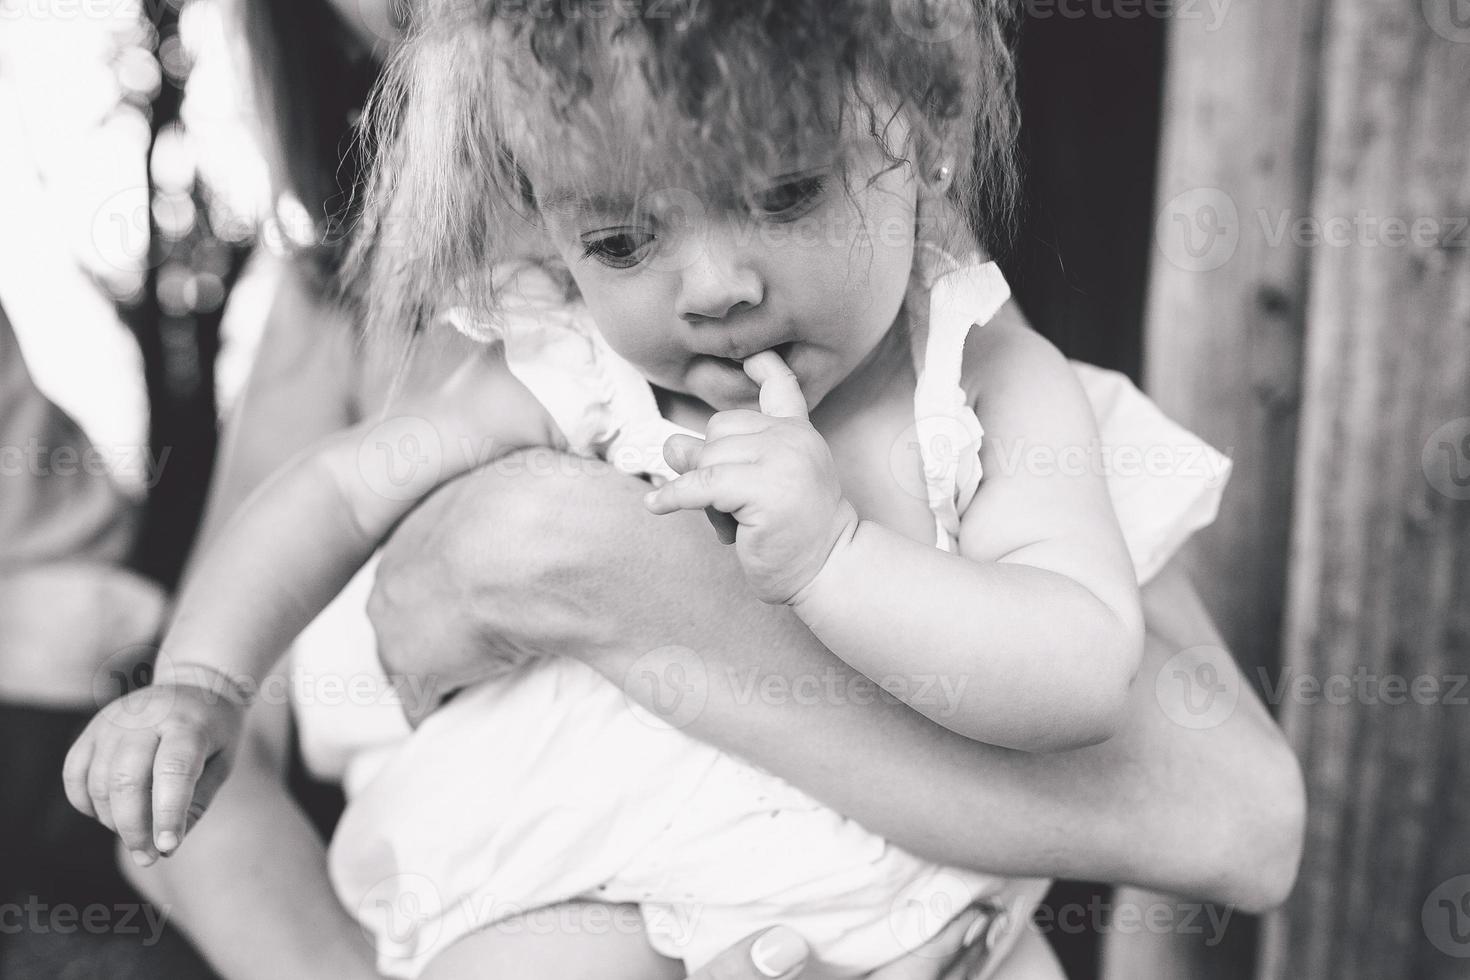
[575, 941]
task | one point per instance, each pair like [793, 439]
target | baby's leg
[575, 941]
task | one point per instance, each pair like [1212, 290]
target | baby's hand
[773, 473]
[148, 764]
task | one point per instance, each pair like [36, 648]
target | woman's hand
[542, 554]
[471, 581]
[779, 953]
[774, 952]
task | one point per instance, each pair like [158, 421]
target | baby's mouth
[782, 350]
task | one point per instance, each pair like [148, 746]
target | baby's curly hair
[484, 95]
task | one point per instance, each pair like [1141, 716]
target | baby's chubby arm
[311, 526]
[1033, 636]
[1037, 628]
[148, 763]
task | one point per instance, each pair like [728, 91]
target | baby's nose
[717, 282]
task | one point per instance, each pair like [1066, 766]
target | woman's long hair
[310, 76]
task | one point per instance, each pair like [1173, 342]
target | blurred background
[1257, 210]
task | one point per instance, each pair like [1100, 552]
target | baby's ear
[942, 225]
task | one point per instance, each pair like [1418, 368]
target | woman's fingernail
[649, 498]
[975, 929]
[168, 840]
[142, 858]
[778, 951]
[988, 926]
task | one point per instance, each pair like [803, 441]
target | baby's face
[814, 264]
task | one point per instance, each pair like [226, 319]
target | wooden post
[1223, 341]
[1227, 298]
[1377, 646]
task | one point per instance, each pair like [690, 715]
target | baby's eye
[620, 248]
[790, 199]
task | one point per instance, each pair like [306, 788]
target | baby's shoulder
[1008, 355]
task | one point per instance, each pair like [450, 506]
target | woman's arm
[565, 560]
